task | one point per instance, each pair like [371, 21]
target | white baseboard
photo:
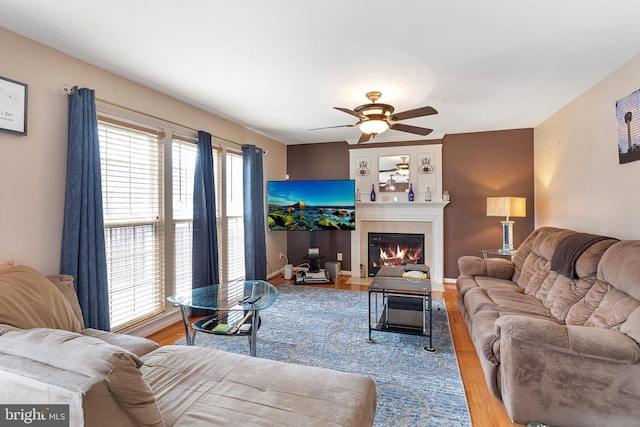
[275, 273]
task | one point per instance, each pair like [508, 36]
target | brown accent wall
[328, 160]
[475, 166]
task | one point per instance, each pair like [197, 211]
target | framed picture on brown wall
[13, 106]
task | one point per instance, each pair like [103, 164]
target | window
[233, 220]
[184, 161]
[134, 199]
[132, 193]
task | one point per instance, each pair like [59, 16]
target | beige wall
[579, 183]
[33, 167]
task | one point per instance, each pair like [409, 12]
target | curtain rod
[69, 91]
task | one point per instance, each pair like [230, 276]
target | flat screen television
[313, 205]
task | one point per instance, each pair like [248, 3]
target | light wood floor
[484, 409]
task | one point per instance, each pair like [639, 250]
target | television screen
[311, 205]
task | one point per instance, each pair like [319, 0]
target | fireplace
[425, 218]
[393, 212]
[394, 249]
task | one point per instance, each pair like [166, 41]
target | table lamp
[507, 207]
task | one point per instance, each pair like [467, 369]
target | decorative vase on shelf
[427, 195]
[357, 194]
[445, 196]
[373, 193]
[411, 195]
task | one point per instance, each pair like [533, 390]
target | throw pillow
[29, 300]
[6, 267]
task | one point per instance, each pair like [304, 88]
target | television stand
[313, 262]
[310, 278]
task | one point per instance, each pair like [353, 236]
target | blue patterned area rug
[328, 328]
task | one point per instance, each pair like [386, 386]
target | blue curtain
[255, 248]
[83, 248]
[205, 268]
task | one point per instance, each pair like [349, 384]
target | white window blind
[234, 218]
[184, 162]
[131, 166]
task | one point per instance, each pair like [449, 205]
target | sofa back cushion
[537, 263]
[64, 283]
[523, 252]
[29, 300]
[614, 298]
[91, 357]
[557, 291]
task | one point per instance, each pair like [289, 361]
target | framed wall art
[628, 118]
[13, 106]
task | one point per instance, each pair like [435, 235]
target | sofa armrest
[584, 341]
[136, 345]
[499, 268]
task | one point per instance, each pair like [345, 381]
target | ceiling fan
[376, 118]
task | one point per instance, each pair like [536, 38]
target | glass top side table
[235, 304]
[504, 252]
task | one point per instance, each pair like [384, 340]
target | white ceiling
[279, 66]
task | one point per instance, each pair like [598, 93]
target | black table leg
[430, 348]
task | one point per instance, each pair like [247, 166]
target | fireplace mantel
[408, 216]
[392, 210]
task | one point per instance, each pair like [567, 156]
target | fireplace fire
[394, 249]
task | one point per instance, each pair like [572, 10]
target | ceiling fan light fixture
[374, 127]
[403, 168]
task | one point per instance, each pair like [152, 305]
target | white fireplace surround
[392, 212]
[400, 217]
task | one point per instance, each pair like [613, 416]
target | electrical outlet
[339, 256]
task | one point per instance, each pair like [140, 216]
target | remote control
[252, 299]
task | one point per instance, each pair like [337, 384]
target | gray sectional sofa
[108, 379]
[557, 329]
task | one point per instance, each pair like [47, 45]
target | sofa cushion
[69, 351]
[6, 267]
[29, 300]
[64, 283]
[616, 293]
[613, 310]
[619, 267]
[631, 326]
[499, 268]
[136, 345]
[195, 385]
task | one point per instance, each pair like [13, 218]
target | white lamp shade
[374, 126]
[507, 206]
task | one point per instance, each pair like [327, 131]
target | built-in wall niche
[378, 167]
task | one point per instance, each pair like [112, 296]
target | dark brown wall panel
[319, 161]
[475, 166]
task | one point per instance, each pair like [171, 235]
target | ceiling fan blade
[411, 129]
[348, 111]
[364, 138]
[418, 112]
[333, 127]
